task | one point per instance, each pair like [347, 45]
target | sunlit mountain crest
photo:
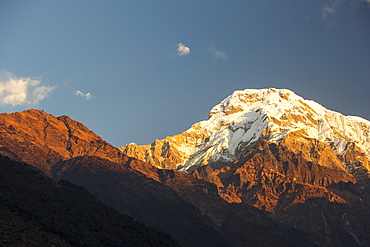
[244, 117]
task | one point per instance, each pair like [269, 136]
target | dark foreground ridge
[37, 211]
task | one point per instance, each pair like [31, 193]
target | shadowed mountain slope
[36, 211]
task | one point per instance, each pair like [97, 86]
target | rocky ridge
[36, 137]
[250, 188]
[248, 115]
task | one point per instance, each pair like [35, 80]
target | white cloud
[218, 54]
[87, 96]
[182, 49]
[307, 17]
[333, 9]
[20, 90]
[328, 10]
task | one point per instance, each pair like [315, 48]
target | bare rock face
[160, 152]
[36, 137]
[273, 177]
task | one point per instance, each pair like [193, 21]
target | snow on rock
[244, 117]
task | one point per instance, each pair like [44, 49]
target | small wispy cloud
[217, 54]
[16, 91]
[86, 96]
[307, 17]
[182, 49]
[328, 10]
[331, 12]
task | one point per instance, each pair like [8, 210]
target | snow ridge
[247, 115]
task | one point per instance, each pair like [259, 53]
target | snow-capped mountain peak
[245, 116]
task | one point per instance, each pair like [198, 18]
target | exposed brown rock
[165, 153]
[41, 139]
[274, 176]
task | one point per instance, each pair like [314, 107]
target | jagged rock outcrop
[272, 177]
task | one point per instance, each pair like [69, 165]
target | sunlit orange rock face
[168, 153]
[36, 137]
[274, 176]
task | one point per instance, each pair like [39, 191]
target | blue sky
[136, 71]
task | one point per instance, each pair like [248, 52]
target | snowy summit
[245, 116]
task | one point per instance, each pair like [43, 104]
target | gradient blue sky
[115, 65]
